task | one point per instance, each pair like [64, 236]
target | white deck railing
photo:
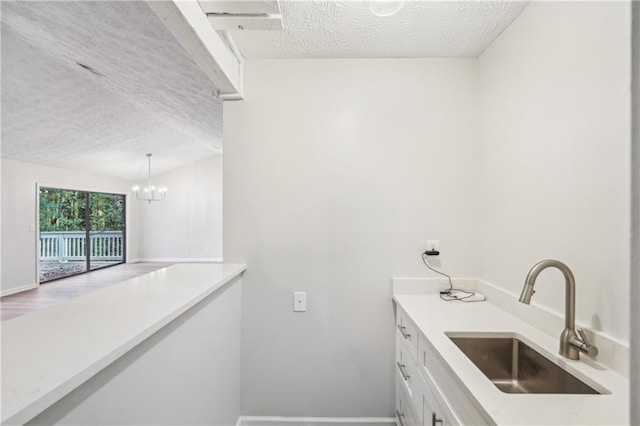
[61, 246]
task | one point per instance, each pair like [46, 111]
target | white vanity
[437, 384]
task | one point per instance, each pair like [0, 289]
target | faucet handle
[583, 336]
[587, 347]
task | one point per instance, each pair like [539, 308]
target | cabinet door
[449, 395]
[434, 413]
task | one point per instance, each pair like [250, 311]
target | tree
[62, 210]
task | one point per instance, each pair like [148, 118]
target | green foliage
[62, 210]
[107, 212]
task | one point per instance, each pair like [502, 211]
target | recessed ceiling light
[384, 8]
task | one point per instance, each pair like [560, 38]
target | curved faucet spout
[570, 344]
[570, 288]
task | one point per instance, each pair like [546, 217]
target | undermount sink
[515, 367]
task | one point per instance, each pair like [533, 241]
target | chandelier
[150, 193]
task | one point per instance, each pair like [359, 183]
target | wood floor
[58, 291]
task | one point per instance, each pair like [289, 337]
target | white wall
[336, 172]
[1, 251]
[635, 215]
[19, 221]
[554, 177]
[188, 224]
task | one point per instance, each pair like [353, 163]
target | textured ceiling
[348, 29]
[149, 96]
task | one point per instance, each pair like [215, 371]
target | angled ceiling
[142, 94]
[348, 29]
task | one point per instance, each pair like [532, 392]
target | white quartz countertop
[48, 353]
[435, 317]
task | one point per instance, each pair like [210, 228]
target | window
[79, 232]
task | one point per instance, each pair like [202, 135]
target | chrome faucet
[570, 344]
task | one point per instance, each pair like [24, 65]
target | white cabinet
[454, 398]
[407, 370]
[405, 411]
[427, 394]
[408, 334]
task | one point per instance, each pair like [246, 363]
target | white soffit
[348, 29]
[142, 94]
[240, 7]
[246, 22]
[225, 15]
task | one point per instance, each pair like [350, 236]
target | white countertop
[48, 353]
[434, 317]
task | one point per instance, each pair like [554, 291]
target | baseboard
[178, 259]
[315, 421]
[15, 290]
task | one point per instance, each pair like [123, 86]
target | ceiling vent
[234, 15]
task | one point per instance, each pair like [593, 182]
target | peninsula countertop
[435, 317]
[48, 353]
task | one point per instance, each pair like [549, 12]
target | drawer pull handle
[400, 417]
[402, 329]
[435, 420]
[405, 376]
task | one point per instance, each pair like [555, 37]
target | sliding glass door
[79, 231]
[106, 213]
[63, 232]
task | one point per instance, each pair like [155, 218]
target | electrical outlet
[433, 245]
[299, 301]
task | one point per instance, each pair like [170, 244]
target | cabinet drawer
[446, 390]
[407, 370]
[405, 412]
[408, 332]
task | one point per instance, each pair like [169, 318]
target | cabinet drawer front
[428, 361]
[407, 370]
[409, 333]
[405, 411]
[446, 390]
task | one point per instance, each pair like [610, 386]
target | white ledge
[48, 353]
